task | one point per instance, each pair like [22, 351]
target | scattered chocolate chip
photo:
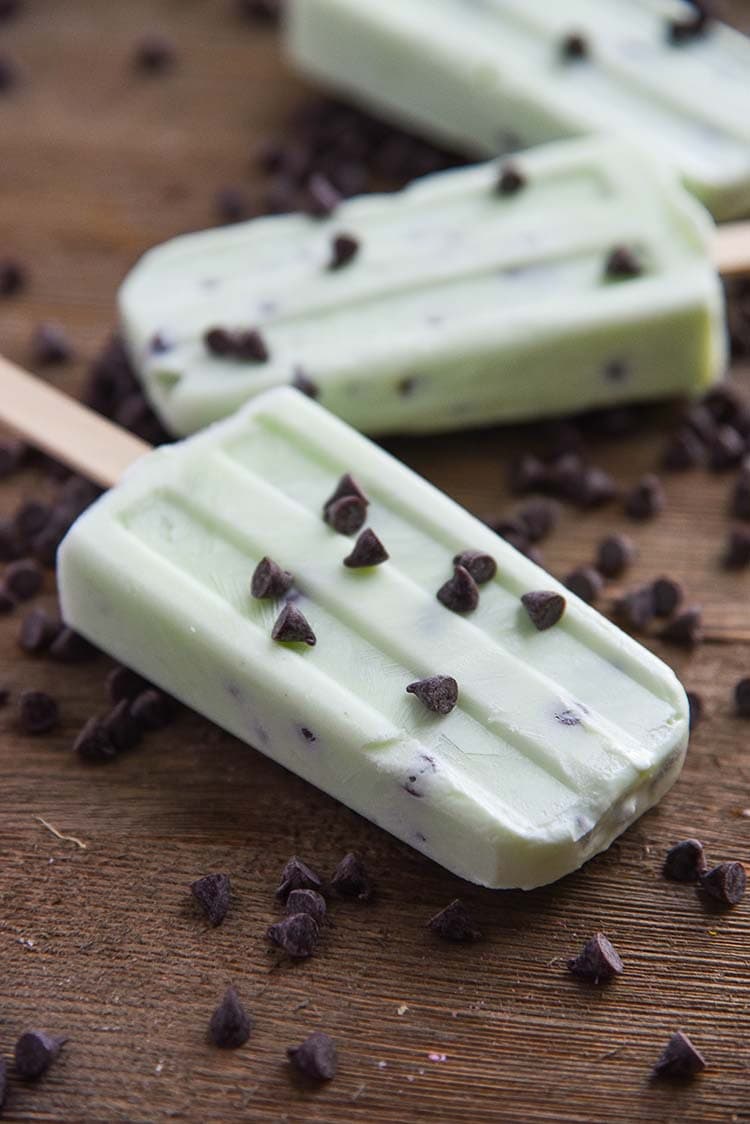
[574, 47]
[308, 735]
[454, 924]
[35, 1052]
[460, 594]
[12, 278]
[685, 630]
[230, 1023]
[297, 935]
[30, 518]
[269, 580]
[684, 451]
[736, 554]
[585, 582]
[212, 893]
[481, 566]
[668, 595]
[11, 546]
[231, 204]
[37, 631]
[50, 345]
[527, 473]
[646, 499]
[439, 693]
[513, 531]
[685, 862]
[262, 11]
[679, 1060]
[545, 608]
[598, 961]
[321, 197]
[636, 607]
[725, 882]
[695, 703]
[742, 698]
[251, 345]
[315, 1058]
[511, 179]
[13, 454]
[154, 54]
[307, 901]
[351, 880]
[346, 515]
[368, 550]
[726, 450]
[304, 384]
[70, 647]
[701, 421]
[23, 579]
[347, 486]
[153, 709]
[122, 683]
[297, 875]
[614, 554]
[623, 263]
[538, 518]
[122, 728]
[38, 712]
[593, 488]
[93, 744]
[344, 249]
[292, 627]
[218, 341]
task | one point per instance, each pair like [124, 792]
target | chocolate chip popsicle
[297, 585]
[577, 275]
[488, 75]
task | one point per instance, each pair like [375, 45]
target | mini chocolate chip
[12, 277]
[646, 499]
[538, 518]
[685, 29]
[307, 901]
[122, 728]
[736, 554]
[231, 204]
[308, 735]
[679, 1060]
[37, 631]
[30, 518]
[668, 595]
[11, 546]
[593, 488]
[344, 248]
[511, 179]
[122, 683]
[684, 451]
[513, 531]
[346, 515]
[304, 384]
[38, 712]
[742, 698]
[70, 647]
[251, 345]
[35, 1052]
[702, 422]
[623, 263]
[636, 607]
[568, 717]
[695, 703]
[292, 627]
[460, 594]
[314, 1058]
[218, 341]
[93, 744]
[481, 566]
[321, 197]
[154, 54]
[740, 498]
[545, 608]
[526, 474]
[297, 935]
[23, 579]
[685, 630]
[574, 47]
[153, 709]
[614, 554]
[50, 345]
[269, 580]
[368, 550]
[230, 1023]
[685, 862]
[347, 486]
[13, 454]
[598, 961]
[726, 450]
[351, 880]
[585, 582]
[212, 893]
[297, 875]
[725, 882]
[454, 924]
[439, 693]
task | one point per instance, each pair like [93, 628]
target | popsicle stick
[731, 249]
[62, 427]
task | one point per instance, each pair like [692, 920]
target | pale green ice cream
[463, 306]
[560, 739]
[483, 75]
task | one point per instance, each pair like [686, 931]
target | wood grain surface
[101, 942]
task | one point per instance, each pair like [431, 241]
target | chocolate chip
[574, 47]
[93, 744]
[13, 453]
[263, 11]
[231, 204]
[726, 450]
[527, 473]
[623, 263]
[307, 901]
[695, 703]
[346, 515]
[230, 1023]
[122, 683]
[297, 935]
[538, 518]
[30, 518]
[545, 608]
[742, 698]
[481, 566]
[346, 487]
[153, 709]
[12, 278]
[679, 1059]
[511, 179]
[122, 728]
[304, 384]
[219, 342]
[344, 249]
[593, 488]
[688, 28]
[725, 882]
[212, 893]
[38, 712]
[292, 627]
[351, 880]
[154, 54]
[70, 647]
[614, 554]
[702, 423]
[297, 875]
[460, 594]
[585, 582]
[513, 531]
[321, 197]
[736, 554]
[269, 580]
[685, 862]
[35, 1052]
[685, 630]
[646, 499]
[37, 631]
[315, 1058]
[598, 961]
[50, 345]
[11, 546]
[684, 451]
[23, 579]
[454, 924]
[636, 607]
[668, 595]
[368, 550]
[439, 693]
[251, 345]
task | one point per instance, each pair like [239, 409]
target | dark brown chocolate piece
[742, 698]
[297, 935]
[684, 451]
[153, 709]
[481, 566]
[297, 875]
[511, 179]
[122, 727]
[262, 11]
[526, 474]
[668, 595]
[212, 892]
[30, 518]
[304, 384]
[321, 197]
[50, 345]
[646, 499]
[725, 882]
[344, 249]
[685, 630]
[636, 608]
[230, 1023]
[12, 277]
[585, 582]
[368, 550]
[574, 47]
[307, 901]
[23, 579]
[460, 594]
[292, 627]
[439, 693]
[736, 554]
[351, 880]
[598, 961]
[623, 263]
[454, 924]
[13, 452]
[726, 450]
[37, 631]
[545, 607]
[70, 647]
[346, 515]
[122, 683]
[251, 345]
[219, 342]
[614, 554]
[679, 1060]
[269, 580]
[315, 1058]
[685, 862]
[538, 518]
[35, 1052]
[154, 54]
[94, 744]
[38, 712]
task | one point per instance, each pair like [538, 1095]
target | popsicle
[488, 75]
[574, 276]
[293, 582]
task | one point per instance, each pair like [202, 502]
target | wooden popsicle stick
[731, 249]
[80, 438]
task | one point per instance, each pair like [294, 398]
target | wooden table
[103, 944]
